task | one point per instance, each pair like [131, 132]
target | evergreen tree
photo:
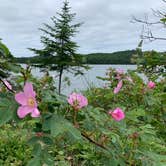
[59, 49]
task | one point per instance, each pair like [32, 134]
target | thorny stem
[24, 77]
[92, 141]
[75, 118]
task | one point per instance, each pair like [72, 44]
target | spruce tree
[59, 49]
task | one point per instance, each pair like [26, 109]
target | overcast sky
[107, 24]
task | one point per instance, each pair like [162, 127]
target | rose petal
[77, 100]
[23, 111]
[35, 113]
[151, 85]
[118, 87]
[28, 90]
[21, 98]
[117, 114]
[7, 84]
[120, 71]
[116, 90]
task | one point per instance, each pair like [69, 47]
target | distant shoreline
[119, 57]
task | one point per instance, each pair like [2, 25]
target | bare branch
[145, 21]
[152, 38]
[147, 25]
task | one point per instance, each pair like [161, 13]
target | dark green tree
[59, 49]
[7, 63]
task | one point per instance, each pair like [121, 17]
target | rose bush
[126, 128]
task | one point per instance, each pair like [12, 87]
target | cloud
[106, 27]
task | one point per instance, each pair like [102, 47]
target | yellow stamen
[31, 102]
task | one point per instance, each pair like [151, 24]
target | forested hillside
[120, 57]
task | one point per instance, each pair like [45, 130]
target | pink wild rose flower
[118, 87]
[120, 71]
[7, 84]
[151, 85]
[117, 114]
[27, 101]
[77, 100]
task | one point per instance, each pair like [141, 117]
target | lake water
[79, 83]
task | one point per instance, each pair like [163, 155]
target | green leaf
[37, 149]
[134, 114]
[4, 50]
[59, 125]
[47, 140]
[7, 109]
[35, 162]
[33, 140]
[47, 158]
[163, 20]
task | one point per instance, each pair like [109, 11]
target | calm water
[79, 83]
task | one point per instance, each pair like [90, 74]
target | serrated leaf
[35, 162]
[59, 125]
[37, 150]
[7, 110]
[134, 114]
[47, 158]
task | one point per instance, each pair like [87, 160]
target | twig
[92, 141]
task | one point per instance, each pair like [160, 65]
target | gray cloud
[106, 27]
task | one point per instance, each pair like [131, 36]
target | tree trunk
[60, 80]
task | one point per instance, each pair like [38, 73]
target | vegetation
[58, 43]
[119, 124]
[152, 63]
[7, 63]
[119, 57]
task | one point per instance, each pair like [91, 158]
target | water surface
[79, 82]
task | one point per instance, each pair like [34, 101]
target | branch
[145, 21]
[158, 13]
[149, 35]
[152, 38]
[94, 142]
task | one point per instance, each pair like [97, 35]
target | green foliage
[58, 45]
[4, 51]
[58, 125]
[7, 108]
[120, 57]
[13, 147]
[7, 63]
[89, 136]
[143, 128]
[98, 140]
[163, 20]
[151, 63]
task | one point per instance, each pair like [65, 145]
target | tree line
[119, 57]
